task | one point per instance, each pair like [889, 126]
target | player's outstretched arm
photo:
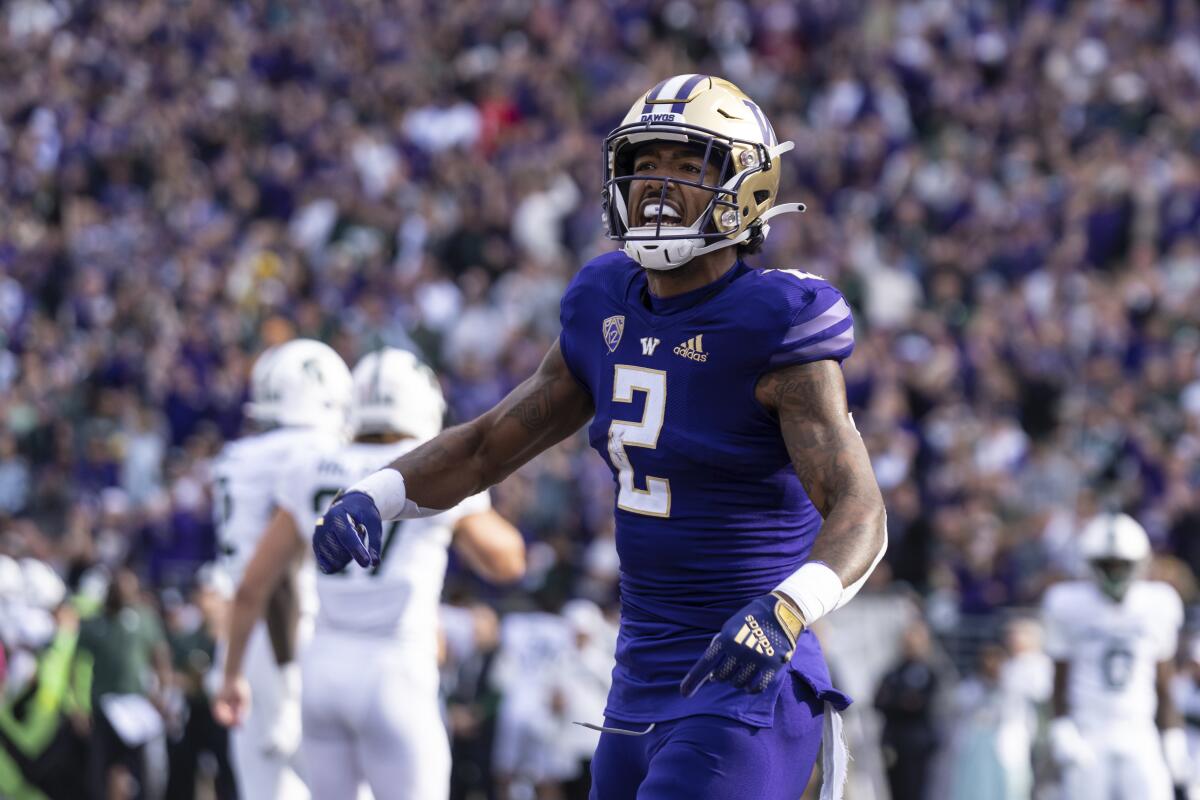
[1170, 724]
[832, 462]
[276, 551]
[463, 460]
[541, 412]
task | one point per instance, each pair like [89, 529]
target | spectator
[906, 698]
[14, 478]
[990, 755]
[131, 672]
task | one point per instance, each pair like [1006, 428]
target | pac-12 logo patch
[613, 328]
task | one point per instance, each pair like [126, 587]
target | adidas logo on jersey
[751, 635]
[693, 348]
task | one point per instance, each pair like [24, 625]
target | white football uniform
[245, 476]
[526, 672]
[1114, 650]
[370, 703]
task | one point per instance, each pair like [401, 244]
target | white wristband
[814, 588]
[1175, 750]
[386, 488]
[289, 674]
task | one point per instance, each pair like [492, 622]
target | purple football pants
[714, 758]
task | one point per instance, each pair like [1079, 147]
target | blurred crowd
[1007, 192]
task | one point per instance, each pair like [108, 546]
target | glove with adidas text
[350, 529]
[753, 647]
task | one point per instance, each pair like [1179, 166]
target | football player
[378, 722]
[300, 395]
[1116, 732]
[746, 508]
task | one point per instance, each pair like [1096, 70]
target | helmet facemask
[664, 247]
[1114, 576]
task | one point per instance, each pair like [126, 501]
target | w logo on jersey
[613, 328]
[648, 345]
[751, 635]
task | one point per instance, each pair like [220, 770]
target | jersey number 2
[655, 499]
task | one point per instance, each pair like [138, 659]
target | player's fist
[752, 648]
[232, 703]
[351, 528]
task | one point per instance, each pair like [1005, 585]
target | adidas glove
[350, 528]
[752, 647]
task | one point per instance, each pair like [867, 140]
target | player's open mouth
[654, 212]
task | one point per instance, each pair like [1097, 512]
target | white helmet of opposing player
[1115, 548]
[12, 581]
[395, 393]
[43, 587]
[302, 383]
[260, 408]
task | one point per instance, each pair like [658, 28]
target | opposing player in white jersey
[1116, 733]
[379, 723]
[300, 403]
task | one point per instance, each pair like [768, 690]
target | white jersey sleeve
[1056, 617]
[1169, 617]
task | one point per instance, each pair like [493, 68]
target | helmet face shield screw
[729, 219]
[748, 158]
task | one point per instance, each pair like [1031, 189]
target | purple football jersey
[709, 511]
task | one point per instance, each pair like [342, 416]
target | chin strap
[780, 149]
[774, 211]
[632, 247]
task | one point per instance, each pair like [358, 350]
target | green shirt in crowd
[122, 647]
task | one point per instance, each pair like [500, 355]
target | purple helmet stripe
[837, 313]
[762, 123]
[684, 92]
[653, 95]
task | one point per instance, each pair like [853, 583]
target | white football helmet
[717, 116]
[301, 383]
[395, 393]
[43, 586]
[1116, 549]
[259, 409]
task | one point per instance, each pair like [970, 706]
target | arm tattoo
[533, 412]
[824, 446]
[831, 461]
[468, 458]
